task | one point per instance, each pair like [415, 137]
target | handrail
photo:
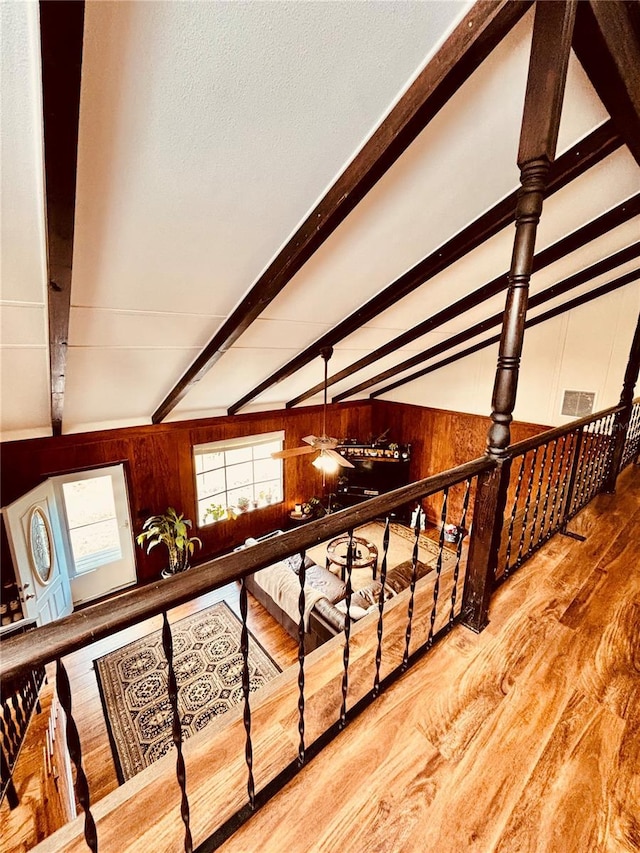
[528, 444]
[97, 621]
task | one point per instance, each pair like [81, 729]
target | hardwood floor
[38, 814]
[523, 738]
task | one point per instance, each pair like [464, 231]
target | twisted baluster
[526, 508]
[383, 579]
[75, 753]
[512, 521]
[436, 586]
[536, 503]
[582, 455]
[176, 730]
[593, 462]
[594, 476]
[583, 476]
[565, 499]
[456, 571]
[551, 479]
[12, 734]
[301, 606]
[347, 633]
[414, 575]
[605, 458]
[598, 454]
[246, 689]
[558, 493]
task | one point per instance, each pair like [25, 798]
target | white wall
[584, 350]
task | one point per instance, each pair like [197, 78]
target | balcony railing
[222, 775]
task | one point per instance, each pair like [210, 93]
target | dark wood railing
[19, 701]
[553, 476]
[541, 484]
[631, 447]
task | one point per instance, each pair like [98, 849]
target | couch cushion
[325, 582]
[399, 577]
[369, 596]
[355, 611]
[294, 562]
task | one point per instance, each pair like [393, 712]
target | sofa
[277, 588]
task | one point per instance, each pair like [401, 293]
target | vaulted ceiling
[253, 177]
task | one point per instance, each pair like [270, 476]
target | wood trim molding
[579, 278]
[603, 290]
[607, 44]
[61, 36]
[576, 240]
[470, 43]
[590, 151]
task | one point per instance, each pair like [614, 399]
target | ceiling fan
[327, 461]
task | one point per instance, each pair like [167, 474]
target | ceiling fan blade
[310, 439]
[339, 459]
[295, 451]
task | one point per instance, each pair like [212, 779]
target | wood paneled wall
[440, 440]
[159, 463]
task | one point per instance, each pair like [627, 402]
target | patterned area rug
[208, 665]
[401, 543]
[428, 547]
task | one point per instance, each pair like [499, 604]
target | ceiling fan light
[325, 463]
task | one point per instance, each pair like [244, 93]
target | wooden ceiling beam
[61, 36]
[607, 45]
[588, 152]
[600, 268]
[571, 243]
[622, 281]
[471, 42]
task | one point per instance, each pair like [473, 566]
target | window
[93, 508]
[92, 523]
[238, 475]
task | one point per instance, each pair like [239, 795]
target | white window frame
[245, 441]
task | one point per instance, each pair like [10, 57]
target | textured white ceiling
[24, 341]
[207, 133]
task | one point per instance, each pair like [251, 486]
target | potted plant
[170, 529]
[242, 503]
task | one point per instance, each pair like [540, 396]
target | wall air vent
[578, 404]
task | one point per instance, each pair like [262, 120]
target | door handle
[28, 597]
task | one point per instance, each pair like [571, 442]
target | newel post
[552, 34]
[621, 424]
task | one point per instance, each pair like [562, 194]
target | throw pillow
[354, 611]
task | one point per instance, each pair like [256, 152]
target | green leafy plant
[243, 503]
[172, 530]
[216, 511]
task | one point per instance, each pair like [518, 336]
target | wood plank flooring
[38, 814]
[523, 738]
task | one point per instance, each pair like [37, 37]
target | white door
[36, 543]
[95, 514]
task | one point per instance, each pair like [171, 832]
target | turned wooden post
[623, 417]
[552, 34]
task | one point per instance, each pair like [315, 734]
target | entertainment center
[376, 470]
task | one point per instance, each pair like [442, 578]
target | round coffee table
[364, 554]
